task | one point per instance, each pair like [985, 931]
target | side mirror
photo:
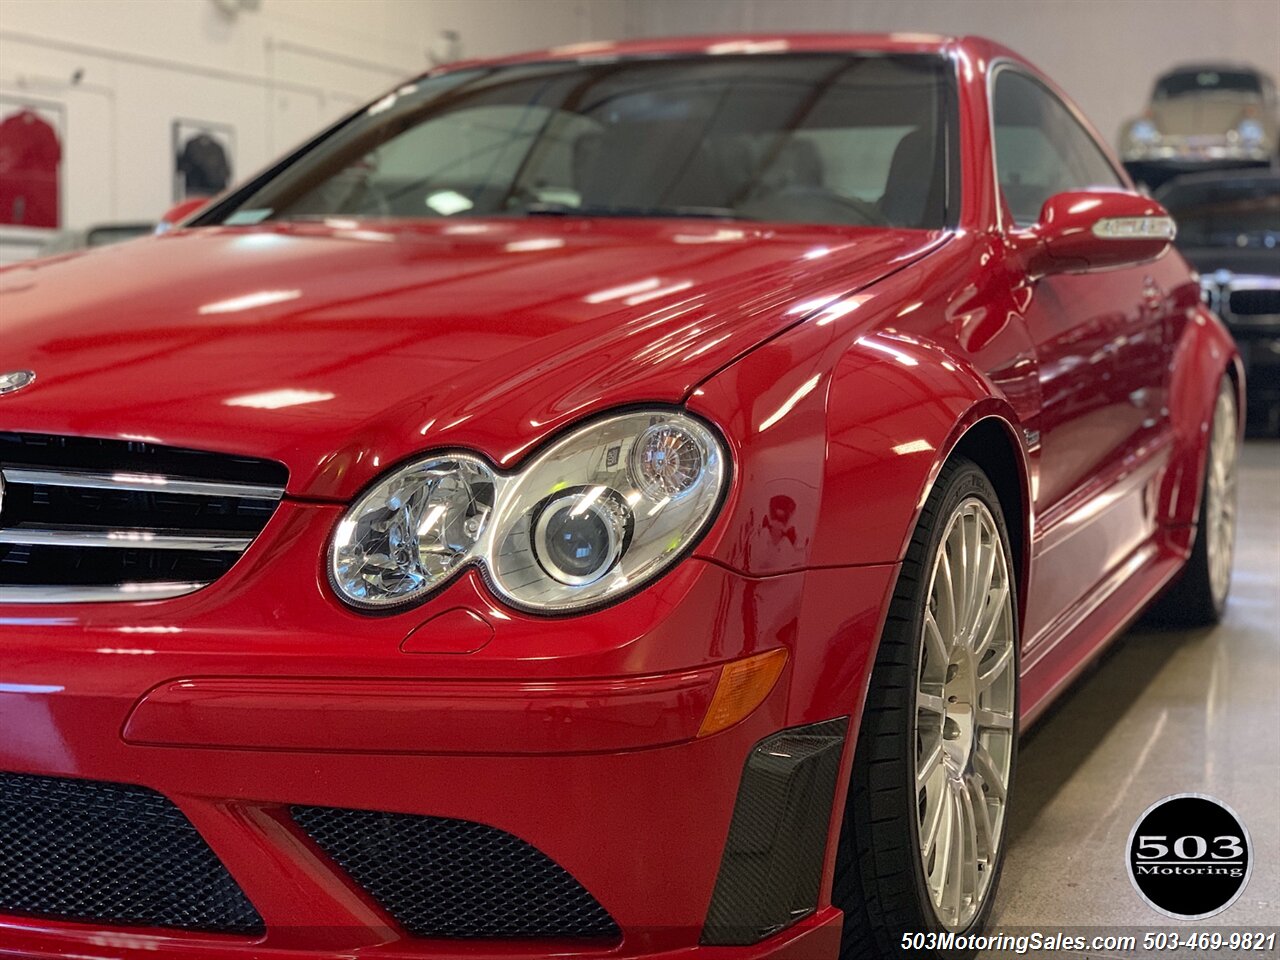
[179, 212]
[1096, 229]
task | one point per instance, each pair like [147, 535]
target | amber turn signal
[743, 686]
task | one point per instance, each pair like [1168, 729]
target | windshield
[830, 139]
[1239, 214]
[1206, 81]
[1238, 224]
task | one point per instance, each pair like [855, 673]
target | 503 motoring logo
[1189, 856]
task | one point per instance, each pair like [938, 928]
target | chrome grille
[100, 520]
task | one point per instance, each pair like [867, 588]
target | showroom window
[1041, 149]
[855, 140]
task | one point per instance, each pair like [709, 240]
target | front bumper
[1196, 151]
[1158, 165]
[576, 735]
[813, 938]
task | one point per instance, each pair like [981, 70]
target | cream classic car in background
[1201, 117]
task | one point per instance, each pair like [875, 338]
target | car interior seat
[915, 190]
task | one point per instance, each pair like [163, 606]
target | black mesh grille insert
[452, 878]
[111, 853]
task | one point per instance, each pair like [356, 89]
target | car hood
[1203, 115]
[342, 347]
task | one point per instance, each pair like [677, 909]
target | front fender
[836, 455]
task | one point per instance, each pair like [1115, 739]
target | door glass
[1040, 148]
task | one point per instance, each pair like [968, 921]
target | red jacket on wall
[29, 158]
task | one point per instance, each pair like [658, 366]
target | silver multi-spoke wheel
[1220, 493]
[965, 702]
[947, 759]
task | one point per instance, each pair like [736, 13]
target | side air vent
[99, 520]
[771, 870]
[439, 877]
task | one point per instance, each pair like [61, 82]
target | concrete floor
[1163, 712]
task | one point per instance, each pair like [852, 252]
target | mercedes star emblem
[15, 380]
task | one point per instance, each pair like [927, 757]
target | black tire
[879, 876]
[1191, 600]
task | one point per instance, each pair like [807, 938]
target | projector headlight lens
[578, 537]
[599, 513]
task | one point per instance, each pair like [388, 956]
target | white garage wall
[279, 73]
[276, 75]
[1105, 53]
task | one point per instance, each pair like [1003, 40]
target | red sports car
[623, 502]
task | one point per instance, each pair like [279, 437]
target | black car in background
[1229, 230]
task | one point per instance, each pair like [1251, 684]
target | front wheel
[924, 831]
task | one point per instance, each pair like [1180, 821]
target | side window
[1040, 148]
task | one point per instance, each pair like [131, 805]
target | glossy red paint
[508, 339]
[1066, 239]
[181, 211]
[499, 717]
[843, 367]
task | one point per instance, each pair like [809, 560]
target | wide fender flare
[835, 456]
[1200, 356]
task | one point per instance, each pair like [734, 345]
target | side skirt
[1095, 622]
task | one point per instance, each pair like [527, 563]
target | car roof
[978, 48]
[1256, 175]
[1220, 65]
[747, 43]
[1202, 187]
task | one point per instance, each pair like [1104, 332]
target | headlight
[1250, 132]
[411, 531]
[1144, 131]
[597, 514]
